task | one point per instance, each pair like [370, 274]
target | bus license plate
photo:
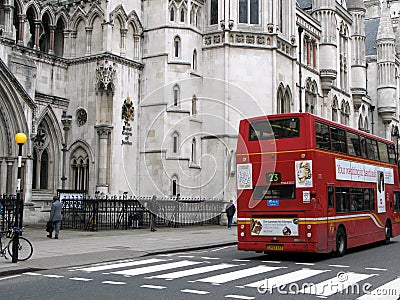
[275, 247]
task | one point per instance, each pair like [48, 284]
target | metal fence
[131, 213]
[7, 207]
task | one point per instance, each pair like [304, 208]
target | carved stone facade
[191, 70]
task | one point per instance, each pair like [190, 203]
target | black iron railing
[7, 203]
[129, 213]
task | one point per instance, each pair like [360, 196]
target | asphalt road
[220, 273]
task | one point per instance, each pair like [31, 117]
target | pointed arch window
[79, 167]
[311, 96]
[172, 14]
[360, 123]
[174, 185]
[344, 113]
[41, 162]
[176, 95]
[283, 100]
[194, 105]
[194, 60]
[182, 15]
[44, 170]
[335, 108]
[193, 153]
[175, 143]
[177, 47]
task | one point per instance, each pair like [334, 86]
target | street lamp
[20, 139]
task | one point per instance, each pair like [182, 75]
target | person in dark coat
[55, 217]
[230, 212]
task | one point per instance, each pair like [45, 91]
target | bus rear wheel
[341, 242]
[388, 233]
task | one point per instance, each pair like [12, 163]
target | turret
[386, 51]
[324, 11]
[358, 62]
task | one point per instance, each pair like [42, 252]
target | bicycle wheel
[25, 249]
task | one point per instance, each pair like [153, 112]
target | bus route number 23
[274, 177]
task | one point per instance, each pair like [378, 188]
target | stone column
[104, 132]
[123, 42]
[89, 31]
[73, 44]
[67, 45]
[7, 20]
[21, 22]
[51, 45]
[37, 32]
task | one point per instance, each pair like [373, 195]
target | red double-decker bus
[306, 184]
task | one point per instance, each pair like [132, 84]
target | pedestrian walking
[230, 212]
[153, 213]
[55, 217]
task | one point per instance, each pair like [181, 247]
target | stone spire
[385, 29]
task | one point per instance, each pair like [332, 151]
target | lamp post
[20, 139]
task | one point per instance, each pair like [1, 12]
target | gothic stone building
[145, 97]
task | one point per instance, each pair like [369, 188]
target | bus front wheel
[340, 242]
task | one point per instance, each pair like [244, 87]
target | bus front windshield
[274, 129]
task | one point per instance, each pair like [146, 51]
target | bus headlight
[242, 226]
[308, 227]
[242, 234]
[309, 234]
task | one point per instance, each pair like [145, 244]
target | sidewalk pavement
[75, 248]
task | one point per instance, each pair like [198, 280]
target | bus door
[331, 232]
[396, 213]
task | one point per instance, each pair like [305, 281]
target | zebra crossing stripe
[195, 271]
[388, 291]
[334, 285]
[121, 265]
[269, 283]
[226, 277]
[197, 292]
[156, 268]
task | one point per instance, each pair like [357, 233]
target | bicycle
[25, 248]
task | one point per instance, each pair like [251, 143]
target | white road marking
[376, 269]
[195, 271]
[53, 276]
[114, 282]
[239, 297]
[212, 258]
[81, 279]
[32, 274]
[154, 287]
[121, 265]
[156, 268]
[226, 277]
[305, 264]
[271, 261]
[10, 277]
[195, 292]
[339, 266]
